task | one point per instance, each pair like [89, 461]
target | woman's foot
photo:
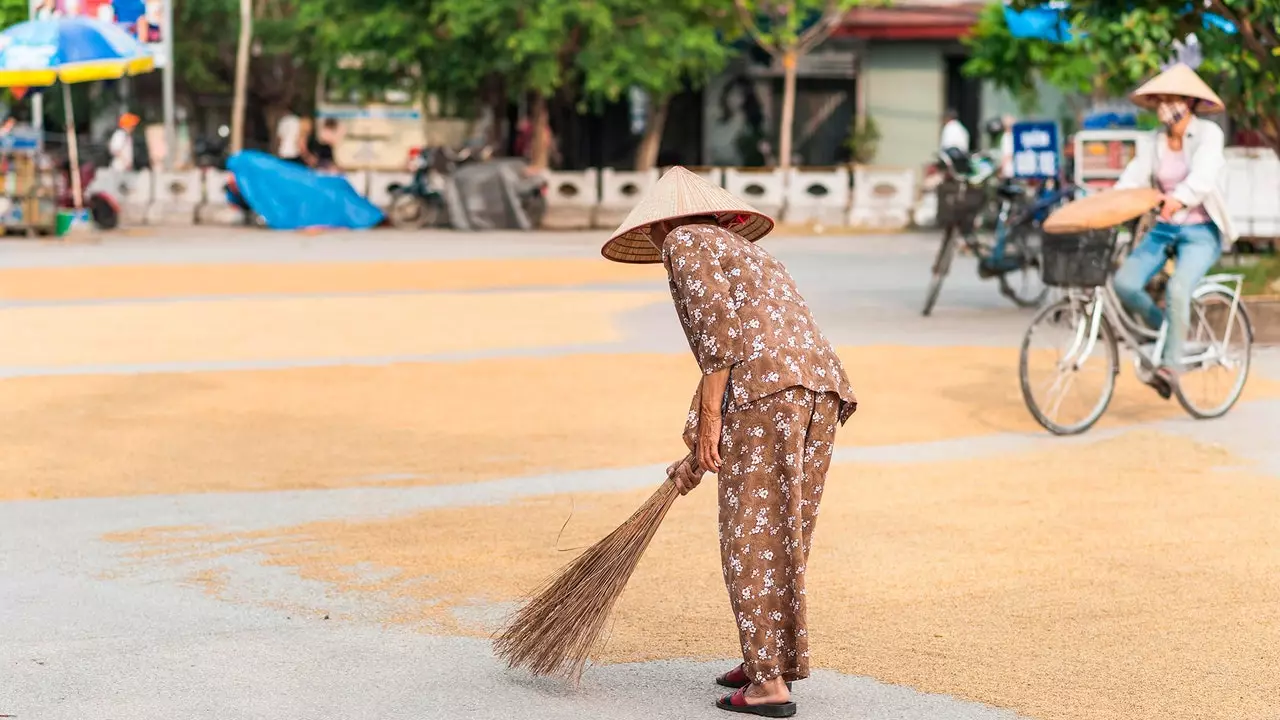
[769, 699]
[737, 678]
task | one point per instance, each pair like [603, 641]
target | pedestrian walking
[763, 417]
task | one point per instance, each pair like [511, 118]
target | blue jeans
[1198, 247]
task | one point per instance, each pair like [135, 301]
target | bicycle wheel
[1024, 286]
[1218, 352]
[941, 266]
[1070, 360]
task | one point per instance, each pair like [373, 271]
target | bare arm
[709, 420]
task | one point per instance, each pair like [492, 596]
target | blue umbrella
[40, 53]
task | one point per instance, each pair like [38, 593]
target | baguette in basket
[1103, 210]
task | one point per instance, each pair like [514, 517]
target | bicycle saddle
[1009, 191]
[959, 160]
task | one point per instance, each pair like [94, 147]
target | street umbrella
[40, 53]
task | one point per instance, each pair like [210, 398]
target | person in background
[1186, 164]
[1006, 147]
[121, 144]
[321, 146]
[954, 134]
[305, 127]
[149, 23]
[45, 10]
[289, 138]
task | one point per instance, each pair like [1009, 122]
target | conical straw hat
[681, 193]
[1096, 212]
[1178, 80]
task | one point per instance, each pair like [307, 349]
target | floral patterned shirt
[740, 309]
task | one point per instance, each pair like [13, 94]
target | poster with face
[140, 18]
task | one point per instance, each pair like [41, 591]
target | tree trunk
[787, 123]
[651, 142]
[1269, 128]
[242, 76]
[539, 133]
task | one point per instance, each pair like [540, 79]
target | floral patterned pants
[774, 457]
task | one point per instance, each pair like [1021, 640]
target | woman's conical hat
[1178, 80]
[681, 193]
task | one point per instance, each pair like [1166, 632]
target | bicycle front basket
[959, 203]
[1077, 260]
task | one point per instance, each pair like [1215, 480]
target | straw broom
[556, 631]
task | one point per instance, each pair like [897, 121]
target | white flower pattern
[787, 393]
[739, 308]
[768, 510]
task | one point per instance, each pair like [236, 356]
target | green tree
[787, 30]
[13, 12]
[657, 46]
[1015, 64]
[282, 71]
[383, 44]
[530, 43]
[1126, 43]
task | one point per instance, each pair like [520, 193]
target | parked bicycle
[1087, 327]
[1013, 255]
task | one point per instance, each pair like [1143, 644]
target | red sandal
[737, 678]
[737, 702]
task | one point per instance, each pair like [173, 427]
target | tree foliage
[1116, 46]
[658, 46]
[594, 50]
[787, 30]
[1015, 64]
[13, 12]
[281, 71]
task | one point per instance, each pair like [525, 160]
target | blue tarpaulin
[1049, 21]
[1046, 22]
[289, 196]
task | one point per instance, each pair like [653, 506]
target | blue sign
[20, 141]
[1036, 150]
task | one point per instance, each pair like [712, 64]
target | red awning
[915, 21]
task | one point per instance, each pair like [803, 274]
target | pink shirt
[1171, 171]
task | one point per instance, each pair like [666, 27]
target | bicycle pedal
[1162, 388]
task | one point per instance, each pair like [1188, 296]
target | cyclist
[1185, 164]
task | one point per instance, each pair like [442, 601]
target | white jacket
[1203, 144]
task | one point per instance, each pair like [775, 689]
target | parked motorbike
[212, 151]
[420, 203]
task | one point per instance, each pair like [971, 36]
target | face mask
[1172, 112]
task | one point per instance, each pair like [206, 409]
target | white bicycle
[1087, 325]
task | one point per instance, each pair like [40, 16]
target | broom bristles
[558, 629]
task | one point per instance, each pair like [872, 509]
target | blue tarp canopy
[1049, 21]
[1046, 22]
[289, 196]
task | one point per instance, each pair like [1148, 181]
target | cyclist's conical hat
[681, 193]
[1178, 80]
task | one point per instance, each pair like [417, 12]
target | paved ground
[265, 491]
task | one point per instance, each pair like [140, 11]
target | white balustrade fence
[880, 198]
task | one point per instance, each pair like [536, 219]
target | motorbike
[418, 204]
[421, 204]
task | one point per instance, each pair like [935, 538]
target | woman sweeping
[763, 418]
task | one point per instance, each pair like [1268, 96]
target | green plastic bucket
[68, 219]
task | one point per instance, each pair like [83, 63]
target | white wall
[905, 91]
